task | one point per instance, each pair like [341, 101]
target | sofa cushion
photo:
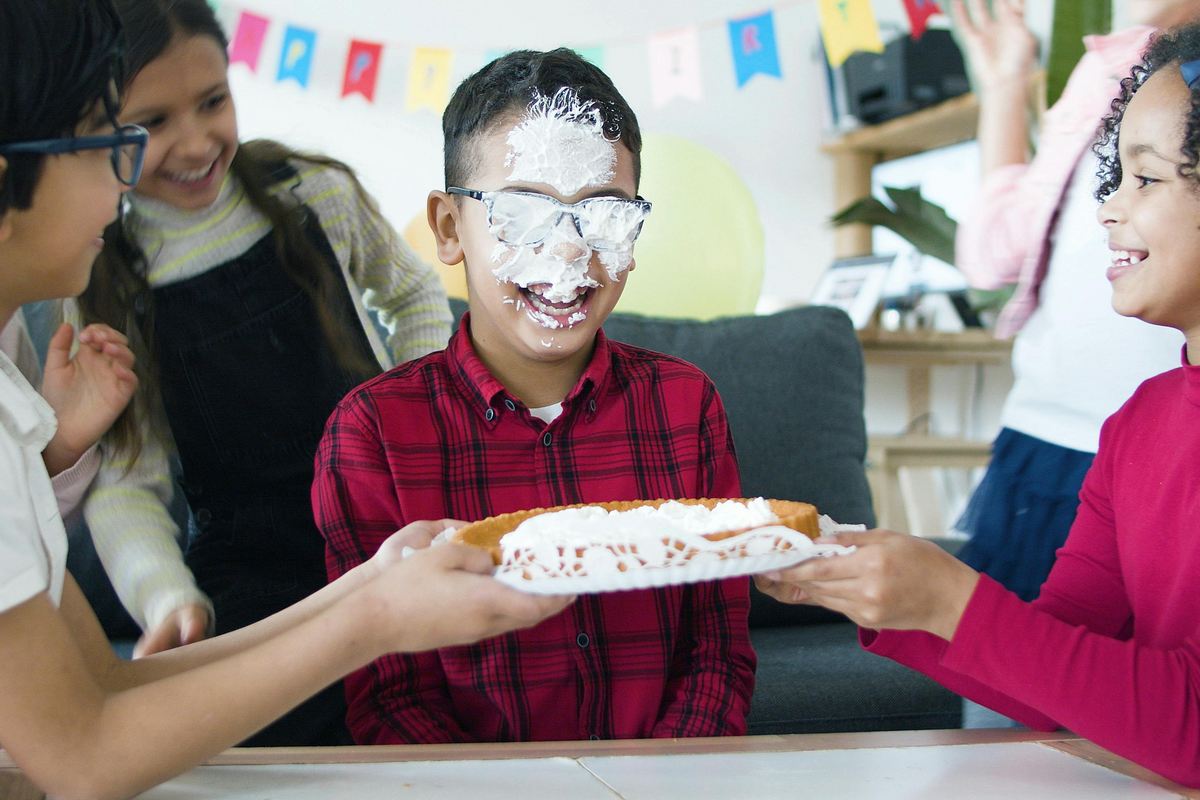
[816, 679]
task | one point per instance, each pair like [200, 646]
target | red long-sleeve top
[1111, 647]
[440, 437]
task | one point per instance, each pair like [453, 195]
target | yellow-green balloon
[700, 254]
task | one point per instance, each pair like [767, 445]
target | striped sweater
[127, 509]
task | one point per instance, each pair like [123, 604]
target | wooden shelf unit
[918, 352]
[856, 152]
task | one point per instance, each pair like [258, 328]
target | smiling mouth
[1128, 258]
[555, 314]
[191, 177]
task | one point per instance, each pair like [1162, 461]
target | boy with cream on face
[531, 405]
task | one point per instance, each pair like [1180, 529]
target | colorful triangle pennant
[248, 40]
[919, 12]
[362, 69]
[754, 48]
[296, 55]
[847, 26]
[675, 66]
[429, 79]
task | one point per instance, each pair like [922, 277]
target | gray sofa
[792, 384]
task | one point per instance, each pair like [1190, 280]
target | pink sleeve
[1070, 656]
[994, 240]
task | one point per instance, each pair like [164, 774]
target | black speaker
[909, 74]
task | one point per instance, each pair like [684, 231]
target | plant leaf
[1073, 19]
[923, 224]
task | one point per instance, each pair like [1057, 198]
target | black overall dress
[248, 381]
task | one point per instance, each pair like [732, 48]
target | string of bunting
[674, 56]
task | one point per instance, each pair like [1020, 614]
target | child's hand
[891, 580]
[87, 392]
[184, 625]
[415, 535]
[999, 45]
[445, 595]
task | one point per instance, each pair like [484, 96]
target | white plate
[709, 561]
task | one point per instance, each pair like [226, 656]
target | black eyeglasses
[128, 146]
[526, 218]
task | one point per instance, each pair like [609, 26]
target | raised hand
[999, 44]
[87, 391]
[892, 580]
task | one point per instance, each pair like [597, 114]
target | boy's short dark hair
[506, 86]
[57, 59]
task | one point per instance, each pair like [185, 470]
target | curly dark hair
[1168, 49]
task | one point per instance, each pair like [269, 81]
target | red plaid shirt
[440, 437]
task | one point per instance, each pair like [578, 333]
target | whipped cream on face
[561, 142]
[615, 262]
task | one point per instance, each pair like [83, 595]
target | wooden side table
[919, 351]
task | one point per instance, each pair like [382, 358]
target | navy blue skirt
[1022, 510]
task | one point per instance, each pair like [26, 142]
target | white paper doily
[697, 559]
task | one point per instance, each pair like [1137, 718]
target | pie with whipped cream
[602, 538]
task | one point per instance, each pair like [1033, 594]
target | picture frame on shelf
[855, 285]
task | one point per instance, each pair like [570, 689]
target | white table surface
[1024, 770]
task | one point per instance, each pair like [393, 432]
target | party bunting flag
[675, 66]
[847, 26]
[362, 69]
[754, 49]
[248, 40]
[429, 79]
[919, 12]
[296, 55]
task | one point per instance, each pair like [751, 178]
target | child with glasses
[1109, 648]
[78, 721]
[90, 387]
[246, 276]
[531, 405]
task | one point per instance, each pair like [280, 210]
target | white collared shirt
[33, 542]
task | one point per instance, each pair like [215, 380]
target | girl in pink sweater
[1111, 647]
